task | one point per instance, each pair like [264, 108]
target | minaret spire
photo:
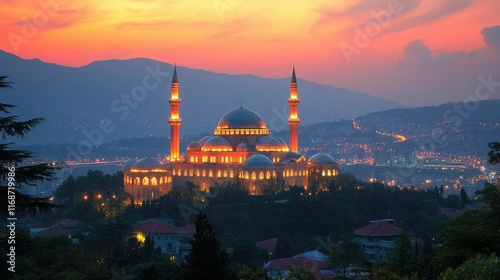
[294, 79]
[294, 119]
[174, 77]
[175, 120]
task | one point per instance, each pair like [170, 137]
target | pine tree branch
[9, 126]
[5, 107]
[12, 157]
[4, 83]
[25, 203]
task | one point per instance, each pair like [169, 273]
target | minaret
[294, 119]
[175, 120]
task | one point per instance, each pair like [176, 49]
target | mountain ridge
[73, 99]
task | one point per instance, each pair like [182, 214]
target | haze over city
[389, 49]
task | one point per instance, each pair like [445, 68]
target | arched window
[185, 172]
[254, 175]
[231, 173]
[173, 172]
[286, 173]
[204, 173]
[261, 175]
[218, 174]
[197, 172]
[154, 181]
[300, 172]
[225, 173]
[161, 180]
[137, 181]
[329, 172]
[274, 173]
[191, 172]
[323, 173]
[334, 172]
[246, 175]
[210, 173]
[145, 181]
[268, 175]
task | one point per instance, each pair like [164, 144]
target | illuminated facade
[241, 148]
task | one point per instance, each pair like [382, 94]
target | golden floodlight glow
[140, 237]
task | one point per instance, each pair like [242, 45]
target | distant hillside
[74, 99]
[486, 112]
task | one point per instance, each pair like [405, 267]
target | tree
[302, 272]
[464, 198]
[347, 254]
[248, 274]
[465, 236]
[207, 259]
[401, 258]
[13, 170]
[479, 268]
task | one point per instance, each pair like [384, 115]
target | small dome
[129, 164]
[194, 146]
[321, 159]
[217, 144]
[293, 155]
[241, 118]
[281, 141]
[270, 144]
[242, 147]
[258, 160]
[149, 164]
[203, 140]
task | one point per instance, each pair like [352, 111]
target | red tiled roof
[69, 223]
[54, 232]
[158, 226]
[267, 244]
[39, 225]
[155, 226]
[378, 228]
[187, 230]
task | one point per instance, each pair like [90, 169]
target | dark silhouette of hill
[74, 99]
[484, 111]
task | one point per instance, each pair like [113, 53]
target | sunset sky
[415, 52]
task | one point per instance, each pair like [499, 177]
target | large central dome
[241, 118]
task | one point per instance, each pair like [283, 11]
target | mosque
[241, 148]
